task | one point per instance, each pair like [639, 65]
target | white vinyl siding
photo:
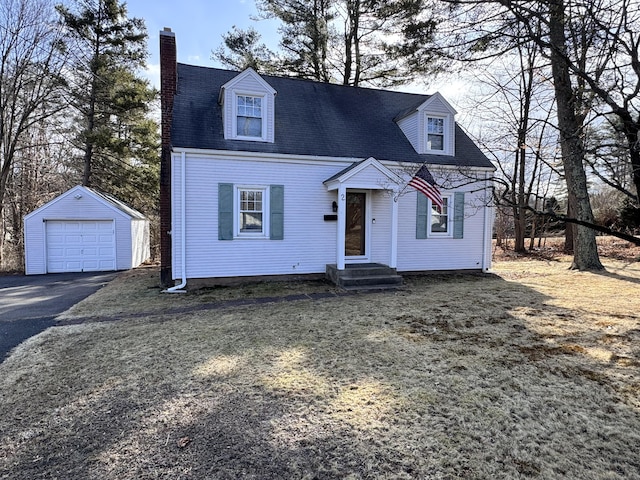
[310, 241]
[131, 235]
[440, 253]
[448, 133]
[409, 126]
[308, 244]
[438, 107]
[415, 126]
[381, 206]
[140, 238]
[248, 85]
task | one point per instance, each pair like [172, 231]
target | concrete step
[369, 271]
[368, 280]
[368, 276]
[372, 288]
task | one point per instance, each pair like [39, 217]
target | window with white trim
[249, 117]
[252, 211]
[441, 220]
[435, 134]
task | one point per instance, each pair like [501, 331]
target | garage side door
[80, 246]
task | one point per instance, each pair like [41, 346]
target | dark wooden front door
[355, 229]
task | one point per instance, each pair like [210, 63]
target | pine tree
[353, 42]
[112, 129]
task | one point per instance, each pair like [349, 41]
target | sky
[199, 25]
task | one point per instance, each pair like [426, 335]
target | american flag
[423, 182]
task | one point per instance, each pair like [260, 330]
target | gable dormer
[248, 106]
[430, 126]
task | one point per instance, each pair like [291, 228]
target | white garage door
[80, 246]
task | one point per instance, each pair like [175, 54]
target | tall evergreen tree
[353, 42]
[117, 139]
[305, 35]
[241, 49]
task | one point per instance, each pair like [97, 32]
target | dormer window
[249, 116]
[435, 134]
[248, 108]
[430, 126]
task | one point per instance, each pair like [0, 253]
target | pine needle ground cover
[533, 372]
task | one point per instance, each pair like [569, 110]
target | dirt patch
[532, 372]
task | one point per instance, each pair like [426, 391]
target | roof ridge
[425, 96]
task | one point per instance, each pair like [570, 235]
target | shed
[84, 230]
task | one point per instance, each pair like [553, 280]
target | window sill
[250, 139]
[438, 152]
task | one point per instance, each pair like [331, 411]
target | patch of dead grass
[138, 290]
[530, 373]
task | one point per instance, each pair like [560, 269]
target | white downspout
[486, 238]
[183, 230]
[394, 229]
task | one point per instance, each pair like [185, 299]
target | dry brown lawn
[533, 372]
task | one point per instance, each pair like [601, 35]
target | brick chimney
[168, 88]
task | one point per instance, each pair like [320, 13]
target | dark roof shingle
[311, 118]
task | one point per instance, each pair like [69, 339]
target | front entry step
[364, 276]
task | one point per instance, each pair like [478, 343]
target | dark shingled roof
[311, 118]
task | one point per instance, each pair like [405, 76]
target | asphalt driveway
[29, 304]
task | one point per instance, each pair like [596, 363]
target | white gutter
[183, 230]
[312, 159]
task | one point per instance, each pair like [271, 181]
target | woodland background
[553, 100]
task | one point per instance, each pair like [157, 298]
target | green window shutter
[276, 200]
[458, 215]
[422, 216]
[225, 211]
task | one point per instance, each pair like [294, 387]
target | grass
[533, 372]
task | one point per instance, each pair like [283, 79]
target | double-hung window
[435, 134]
[251, 211]
[249, 116]
[440, 223]
[447, 222]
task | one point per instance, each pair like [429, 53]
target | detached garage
[84, 230]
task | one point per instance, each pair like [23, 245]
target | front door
[355, 228]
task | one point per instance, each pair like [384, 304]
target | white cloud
[152, 73]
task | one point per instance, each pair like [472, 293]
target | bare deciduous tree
[30, 81]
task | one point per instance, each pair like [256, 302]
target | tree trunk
[569, 229]
[348, 46]
[585, 255]
[521, 219]
[631, 132]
